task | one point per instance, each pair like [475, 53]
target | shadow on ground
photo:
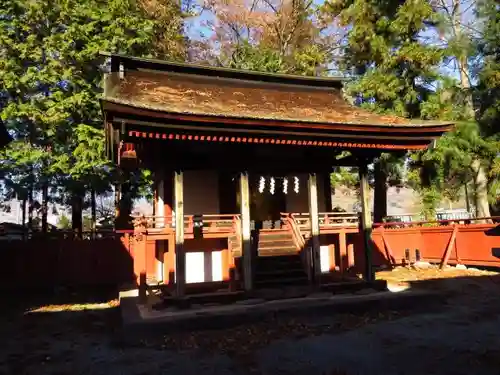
[456, 334]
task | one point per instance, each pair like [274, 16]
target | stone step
[277, 252]
[269, 235]
[281, 281]
[284, 259]
[276, 244]
[273, 273]
[277, 271]
[262, 264]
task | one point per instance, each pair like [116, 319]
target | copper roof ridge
[200, 69]
[243, 81]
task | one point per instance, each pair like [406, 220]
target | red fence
[39, 263]
[469, 244]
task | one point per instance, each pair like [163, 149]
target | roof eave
[439, 127]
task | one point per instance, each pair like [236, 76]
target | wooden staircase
[275, 243]
[278, 262]
[278, 271]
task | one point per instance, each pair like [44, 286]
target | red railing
[210, 223]
[292, 225]
[434, 223]
[62, 234]
[328, 221]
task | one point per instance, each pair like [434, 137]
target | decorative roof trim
[268, 140]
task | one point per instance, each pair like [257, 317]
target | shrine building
[241, 163]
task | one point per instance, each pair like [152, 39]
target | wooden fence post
[388, 250]
[451, 243]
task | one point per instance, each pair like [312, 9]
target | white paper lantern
[262, 184]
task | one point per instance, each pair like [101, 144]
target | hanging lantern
[262, 184]
[296, 185]
[128, 156]
[272, 185]
[285, 185]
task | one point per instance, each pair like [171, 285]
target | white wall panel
[324, 258]
[216, 265]
[195, 267]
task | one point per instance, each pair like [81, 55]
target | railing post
[180, 256]
[451, 244]
[315, 265]
[344, 260]
[159, 219]
[246, 246]
[142, 288]
[366, 219]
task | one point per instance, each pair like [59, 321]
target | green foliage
[395, 70]
[392, 67]
[446, 168]
[345, 177]
[489, 86]
[63, 222]
[305, 61]
[249, 57]
[51, 74]
[489, 92]
[446, 103]
[87, 223]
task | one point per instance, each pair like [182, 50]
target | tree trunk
[117, 200]
[481, 191]
[480, 178]
[463, 64]
[123, 219]
[467, 199]
[380, 194]
[76, 214]
[45, 203]
[24, 218]
[93, 209]
[30, 208]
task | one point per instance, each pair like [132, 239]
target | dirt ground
[458, 336]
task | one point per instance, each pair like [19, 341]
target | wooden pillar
[123, 219]
[314, 264]
[246, 245]
[344, 263]
[366, 219]
[327, 189]
[169, 261]
[159, 222]
[140, 249]
[168, 195]
[160, 203]
[180, 255]
[380, 193]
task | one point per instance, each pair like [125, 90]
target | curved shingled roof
[226, 97]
